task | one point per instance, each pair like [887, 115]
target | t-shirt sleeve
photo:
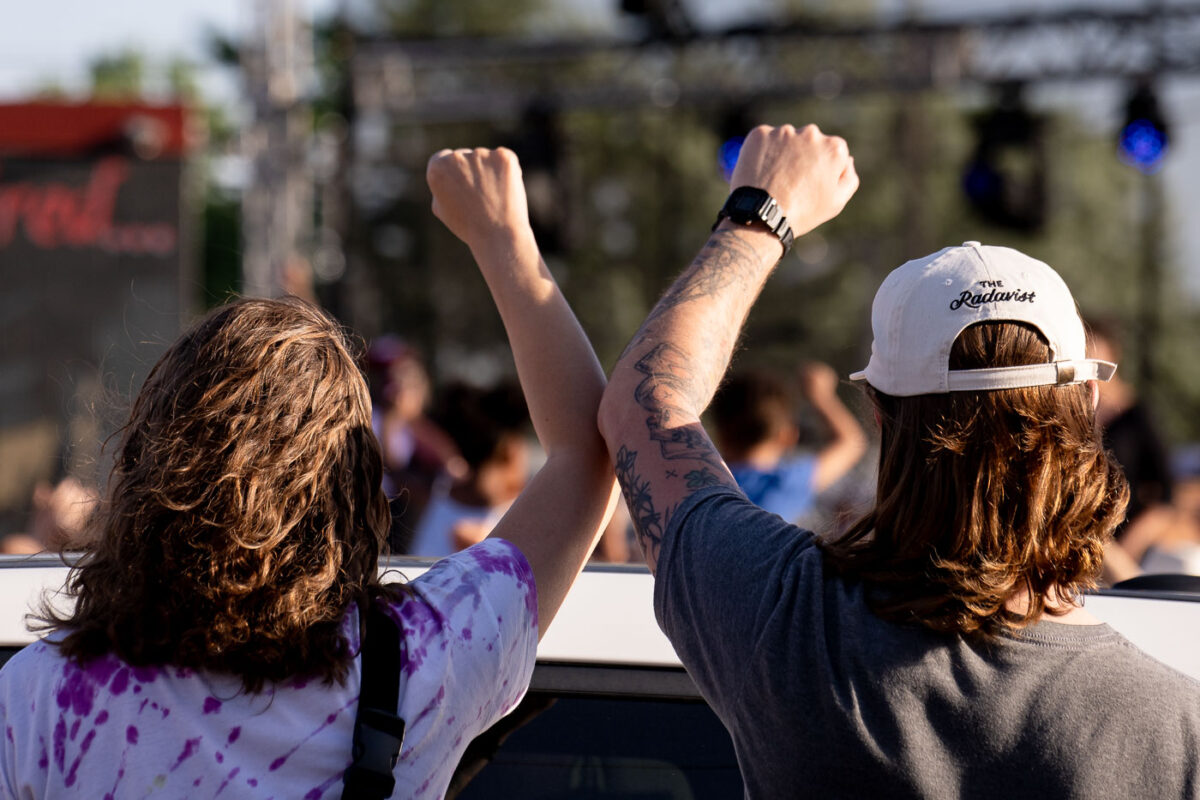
[720, 577]
[475, 614]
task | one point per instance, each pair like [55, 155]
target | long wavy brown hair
[245, 511]
[984, 495]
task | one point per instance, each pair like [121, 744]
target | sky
[44, 42]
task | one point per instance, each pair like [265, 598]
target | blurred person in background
[757, 434]
[58, 519]
[212, 649]
[1155, 535]
[417, 453]
[487, 426]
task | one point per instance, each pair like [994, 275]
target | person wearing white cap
[939, 647]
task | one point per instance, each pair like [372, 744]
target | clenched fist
[809, 174]
[478, 194]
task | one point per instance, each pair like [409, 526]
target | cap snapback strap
[1057, 373]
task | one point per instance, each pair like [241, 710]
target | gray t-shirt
[824, 699]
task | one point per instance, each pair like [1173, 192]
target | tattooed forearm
[724, 261]
[665, 390]
[647, 521]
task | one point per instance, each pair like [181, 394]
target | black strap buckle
[377, 741]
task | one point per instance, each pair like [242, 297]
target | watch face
[747, 201]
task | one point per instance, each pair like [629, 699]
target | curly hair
[983, 496]
[245, 511]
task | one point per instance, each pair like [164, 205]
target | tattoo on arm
[700, 478]
[723, 261]
[667, 382]
[647, 521]
[679, 378]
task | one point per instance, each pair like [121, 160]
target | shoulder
[718, 535]
[492, 577]
[492, 561]
[31, 664]
[470, 632]
[725, 514]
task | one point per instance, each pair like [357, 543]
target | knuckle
[506, 156]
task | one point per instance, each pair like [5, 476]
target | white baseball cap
[923, 305]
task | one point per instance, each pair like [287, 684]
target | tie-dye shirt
[108, 730]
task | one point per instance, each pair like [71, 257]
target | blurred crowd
[455, 456]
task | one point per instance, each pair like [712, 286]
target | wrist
[502, 242]
[763, 242]
[757, 208]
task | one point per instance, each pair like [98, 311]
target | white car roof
[608, 616]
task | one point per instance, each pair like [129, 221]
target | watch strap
[768, 213]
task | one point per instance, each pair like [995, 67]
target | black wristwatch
[750, 206]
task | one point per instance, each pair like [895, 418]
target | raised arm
[650, 415]
[847, 442]
[555, 522]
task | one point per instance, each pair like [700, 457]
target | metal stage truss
[457, 80]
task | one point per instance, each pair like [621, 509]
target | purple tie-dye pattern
[77, 691]
[316, 792]
[189, 749]
[432, 705]
[120, 776]
[450, 609]
[329, 720]
[120, 682]
[60, 744]
[233, 773]
[83, 748]
[423, 623]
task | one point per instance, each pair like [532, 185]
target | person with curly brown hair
[939, 648]
[213, 647]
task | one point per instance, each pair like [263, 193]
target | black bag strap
[378, 730]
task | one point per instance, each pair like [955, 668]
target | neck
[1074, 614]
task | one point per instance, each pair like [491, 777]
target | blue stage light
[1143, 145]
[1145, 136]
[727, 155]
